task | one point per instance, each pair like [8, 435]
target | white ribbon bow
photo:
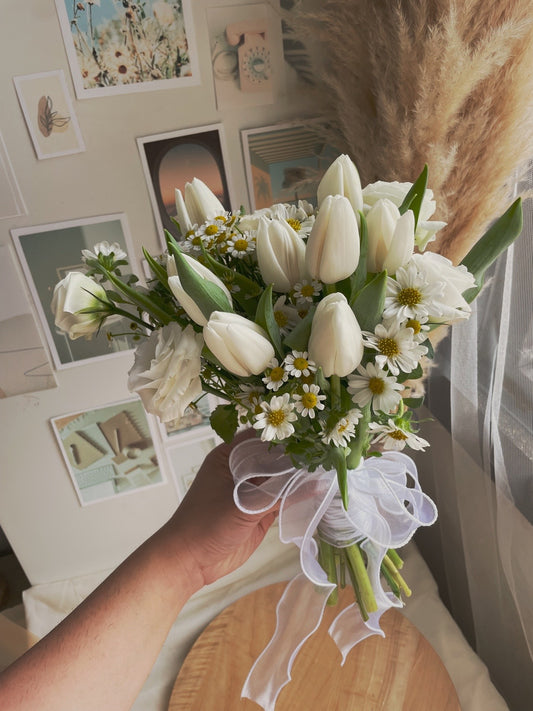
[386, 506]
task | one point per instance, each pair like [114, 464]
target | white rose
[166, 371]
[73, 294]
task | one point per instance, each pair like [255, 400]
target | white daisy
[192, 241]
[251, 398]
[305, 290]
[276, 418]
[397, 347]
[376, 386]
[411, 296]
[300, 217]
[393, 436]
[344, 430]
[298, 363]
[309, 401]
[286, 315]
[276, 376]
[240, 244]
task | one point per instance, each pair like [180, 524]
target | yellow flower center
[341, 427]
[300, 364]
[281, 318]
[295, 224]
[221, 218]
[309, 400]
[398, 434]
[307, 290]
[276, 417]
[414, 324]
[388, 347]
[241, 245]
[409, 296]
[276, 374]
[196, 240]
[211, 230]
[376, 385]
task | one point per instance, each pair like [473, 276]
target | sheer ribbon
[386, 506]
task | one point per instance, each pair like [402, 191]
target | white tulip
[336, 342]
[341, 178]
[72, 294]
[193, 311]
[241, 346]
[166, 371]
[333, 246]
[280, 254]
[181, 213]
[201, 203]
[391, 237]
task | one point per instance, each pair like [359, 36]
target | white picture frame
[186, 457]
[11, 201]
[49, 113]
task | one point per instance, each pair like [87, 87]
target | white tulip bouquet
[313, 326]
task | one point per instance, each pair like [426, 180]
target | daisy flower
[376, 386]
[285, 315]
[306, 290]
[297, 364]
[394, 437]
[411, 296]
[300, 217]
[309, 401]
[241, 244]
[192, 241]
[276, 377]
[344, 430]
[397, 347]
[251, 397]
[276, 418]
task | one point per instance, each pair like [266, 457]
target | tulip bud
[341, 178]
[192, 309]
[201, 203]
[181, 213]
[280, 254]
[391, 237]
[333, 246]
[73, 294]
[336, 343]
[241, 346]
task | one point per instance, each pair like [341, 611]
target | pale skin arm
[100, 655]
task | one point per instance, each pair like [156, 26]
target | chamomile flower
[308, 401]
[393, 436]
[344, 429]
[240, 244]
[275, 418]
[411, 296]
[298, 363]
[276, 376]
[305, 290]
[300, 217]
[397, 347]
[251, 397]
[285, 315]
[192, 241]
[374, 385]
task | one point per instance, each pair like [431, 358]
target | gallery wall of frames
[107, 107]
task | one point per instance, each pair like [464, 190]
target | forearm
[100, 656]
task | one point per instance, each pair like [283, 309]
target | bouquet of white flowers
[313, 326]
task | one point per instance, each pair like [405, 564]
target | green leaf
[415, 374]
[369, 303]
[298, 338]
[206, 295]
[264, 317]
[359, 276]
[159, 271]
[337, 458]
[431, 351]
[415, 196]
[495, 241]
[224, 421]
[413, 402]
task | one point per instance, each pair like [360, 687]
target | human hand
[216, 535]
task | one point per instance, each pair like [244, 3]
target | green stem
[335, 392]
[391, 568]
[131, 317]
[358, 444]
[395, 558]
[327, 561]
[357, 564]
[143, 302]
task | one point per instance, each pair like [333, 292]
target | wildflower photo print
[108, 451]
[117, 47]
[284, 163]
[49, 114]
[53, 260]
[172, 159]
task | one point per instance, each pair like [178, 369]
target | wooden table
[400, 672]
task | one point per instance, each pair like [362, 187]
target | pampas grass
[450, 83]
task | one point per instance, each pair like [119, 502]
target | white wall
[53, 537]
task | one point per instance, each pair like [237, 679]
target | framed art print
[186, 458]
[194, 424]
[118, 47]
[108, 450]
[172, 159]
[284, 163]
[47, 253]
[49, 114]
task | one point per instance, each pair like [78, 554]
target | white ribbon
[386, 506]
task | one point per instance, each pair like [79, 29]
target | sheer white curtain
[480, 471]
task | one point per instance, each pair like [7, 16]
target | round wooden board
[400, 672]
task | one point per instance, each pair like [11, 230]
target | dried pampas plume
[443, 82]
